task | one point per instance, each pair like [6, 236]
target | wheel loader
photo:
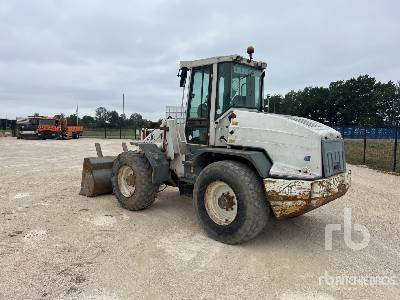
[241, 164]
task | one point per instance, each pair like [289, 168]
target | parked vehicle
[239, 162]
[39, 127]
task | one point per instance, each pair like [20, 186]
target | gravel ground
[57, 244]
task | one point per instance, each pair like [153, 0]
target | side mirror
[183, 75]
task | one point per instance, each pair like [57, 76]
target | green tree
[113, 119]
[88, 121]
[71, 120]
[101, 116]
[289, 104]
[388, 103]
[354, 101]
[136, 120]
[123, 120]
[360, 101]
[274, 102]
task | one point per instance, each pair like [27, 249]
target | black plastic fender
[158, 162]
[258, 159]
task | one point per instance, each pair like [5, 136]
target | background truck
[27, 127]
[68, 131]
[45, 128]
[242, 165]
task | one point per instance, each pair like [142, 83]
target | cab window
[238, 86]
[47, 122]
[198, 100]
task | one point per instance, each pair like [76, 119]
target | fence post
[120, 131]
[105, 131]
[365, 144]
[395, 149]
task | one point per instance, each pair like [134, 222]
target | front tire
[131, 181]
[230, 203]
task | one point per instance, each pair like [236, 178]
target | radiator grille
[333, 157]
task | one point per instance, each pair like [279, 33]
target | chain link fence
[112, 133]
[374, 147]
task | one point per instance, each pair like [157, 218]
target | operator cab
[215, 85]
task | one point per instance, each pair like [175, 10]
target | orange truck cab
[48, 128]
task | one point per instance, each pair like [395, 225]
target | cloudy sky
[55, 54]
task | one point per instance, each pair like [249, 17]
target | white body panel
[287, 140]
[292, 143]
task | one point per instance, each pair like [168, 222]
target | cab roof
[219, 59]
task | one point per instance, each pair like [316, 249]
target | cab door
[198, 113]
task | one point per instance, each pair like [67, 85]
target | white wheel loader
[241, 164]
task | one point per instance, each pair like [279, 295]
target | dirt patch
[55, 243]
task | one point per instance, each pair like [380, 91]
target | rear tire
[131, 181]
[230, 202]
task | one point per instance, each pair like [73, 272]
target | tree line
[361, 101]
[110, 119]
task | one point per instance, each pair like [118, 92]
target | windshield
[238, 86]
[47, 122]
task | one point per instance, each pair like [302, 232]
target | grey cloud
[54, 54]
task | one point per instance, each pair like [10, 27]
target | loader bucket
[96, 176]
[96, 173]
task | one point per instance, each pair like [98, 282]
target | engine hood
[292, 143]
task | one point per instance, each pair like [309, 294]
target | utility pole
[77, 115]
[395, 148]
[123, 115]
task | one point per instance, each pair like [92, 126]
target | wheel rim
[221, 203]
[126, 181]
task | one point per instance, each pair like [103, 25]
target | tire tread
[145, 191]
[257, 209]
